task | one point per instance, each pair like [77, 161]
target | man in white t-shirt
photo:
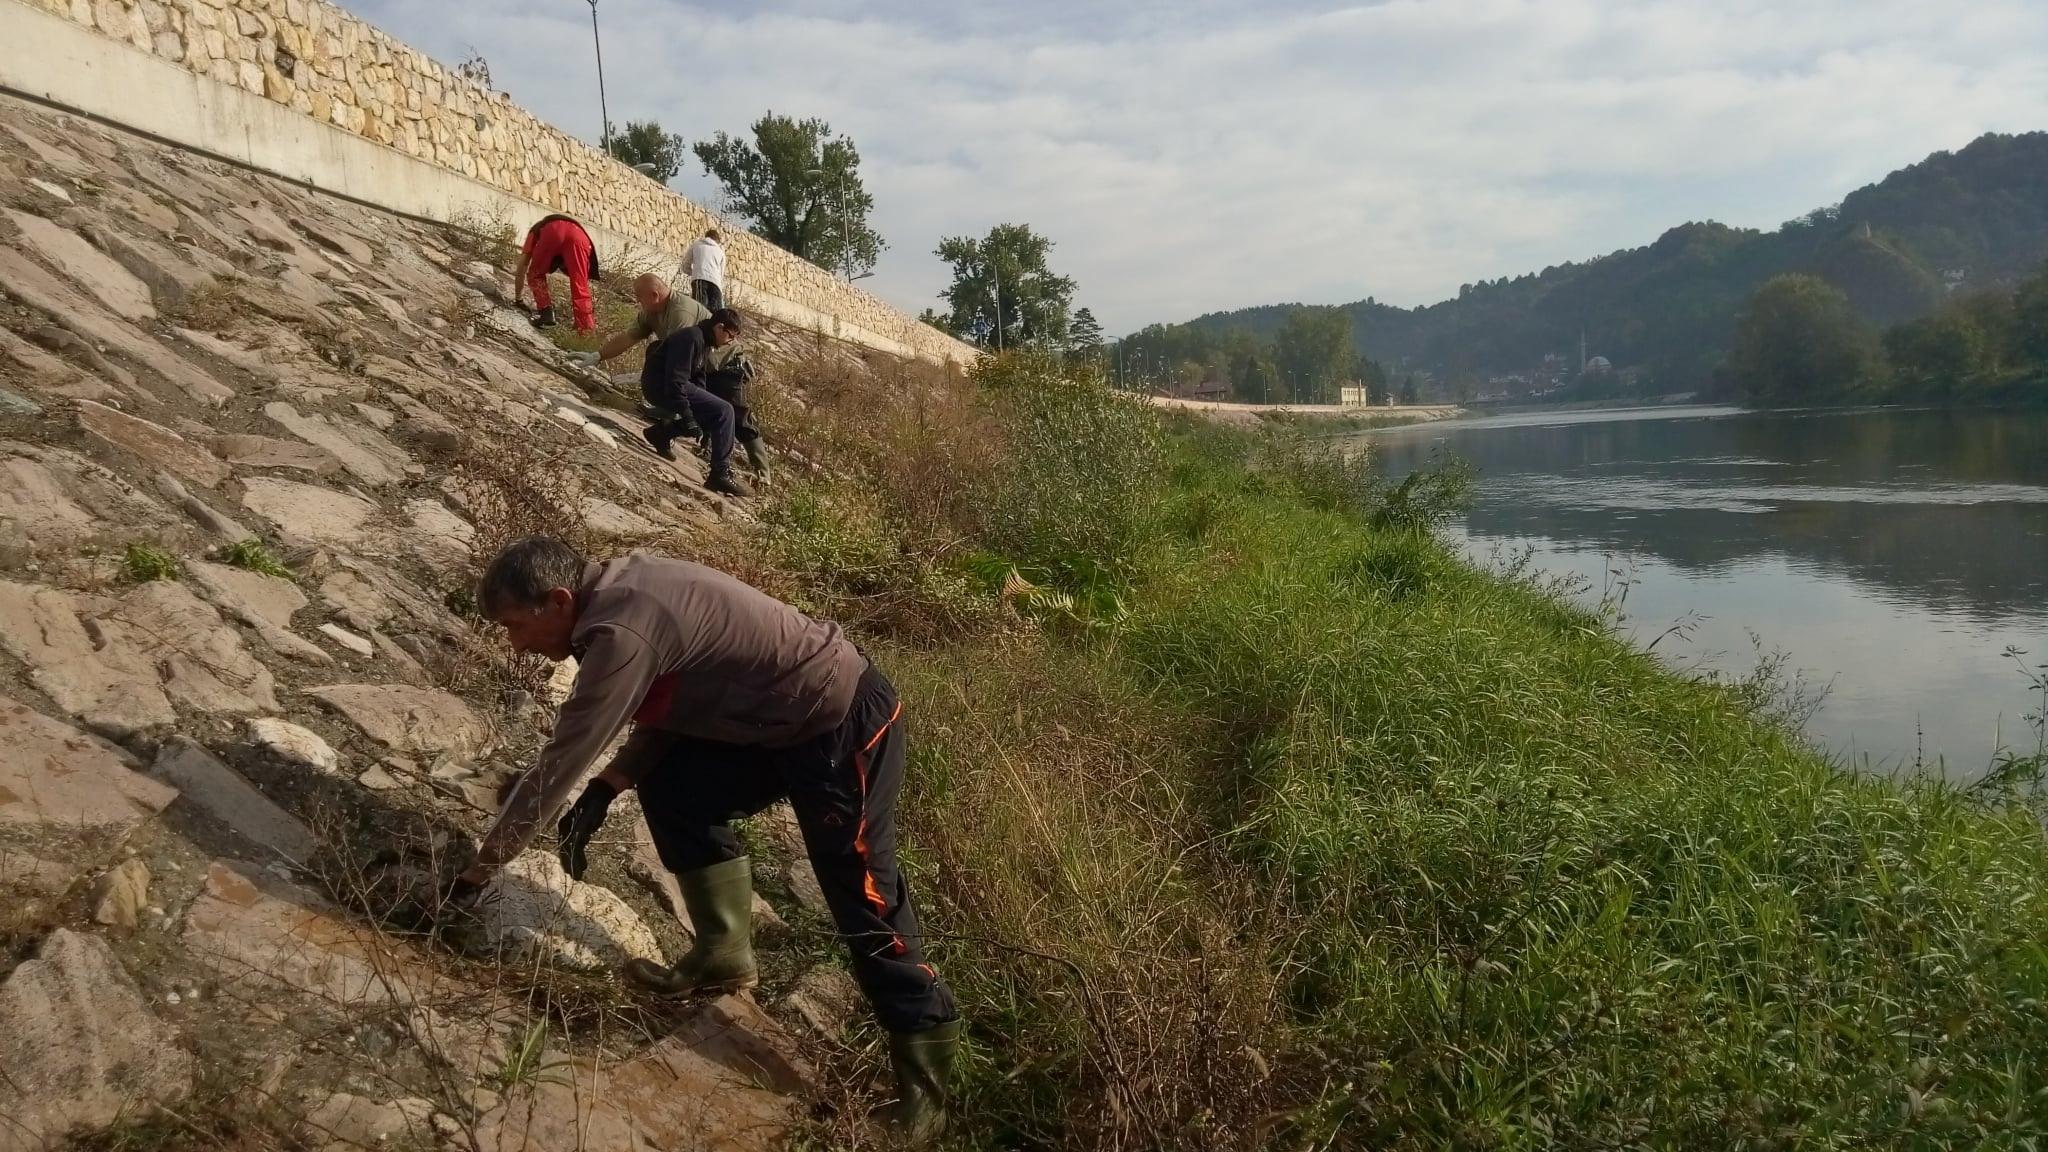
[704, 268]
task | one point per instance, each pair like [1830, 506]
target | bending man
[738, 701]
[688, 343]
[557, 244]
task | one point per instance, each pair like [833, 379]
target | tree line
[797, 184]
[1802, 341]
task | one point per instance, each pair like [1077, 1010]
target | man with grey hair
[738, 700]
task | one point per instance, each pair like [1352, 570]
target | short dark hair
[729, 318]
[711, 233]
[524, 571]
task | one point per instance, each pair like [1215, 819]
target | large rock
[256, 933]
[532, 910]
[48, 374]
[356, 598]
[133, 438]
[294, 745]
[335, 238]
[202, 661]
[251, 595]
[94, 270]
[173, 275]
[363, 451]
[227, 796]
[729, 1078]
[265, 452]
[307, 512]
[408, 719]
[119, 897]
[35, 508]
[441, 533]
[72, 798]
[108, 686]
[80, 1046]
[265, 603]
[212, 519]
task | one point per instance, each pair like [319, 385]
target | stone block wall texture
[324, 63]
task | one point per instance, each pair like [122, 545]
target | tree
[1313, 351]
[1409, 393]
[1010, 260]
[1084, 335]
[798, 187]
[1799, 341]
[2030, 318]
[643, 142]
[1373, 378]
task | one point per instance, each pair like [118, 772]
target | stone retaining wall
[319, 61]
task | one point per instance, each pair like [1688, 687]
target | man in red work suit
[557, 244]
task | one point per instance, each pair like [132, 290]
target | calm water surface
[1892, 556]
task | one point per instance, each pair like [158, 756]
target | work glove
[443, 900]
[580, 823]
[589, 358]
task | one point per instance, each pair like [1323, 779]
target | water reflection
[1892, 554]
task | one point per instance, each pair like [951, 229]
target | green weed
[142, 563]
[251, 554]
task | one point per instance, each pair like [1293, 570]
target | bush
[1074, 499]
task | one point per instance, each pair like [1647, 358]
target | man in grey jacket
[738, 700]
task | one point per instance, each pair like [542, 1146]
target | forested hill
[1668, 309]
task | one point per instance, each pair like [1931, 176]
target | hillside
[1669, 307]
[253, 441]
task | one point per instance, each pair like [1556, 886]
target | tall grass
[1327, 838]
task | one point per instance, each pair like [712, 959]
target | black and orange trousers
[843, 787]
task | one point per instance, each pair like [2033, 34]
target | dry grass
[216, 307]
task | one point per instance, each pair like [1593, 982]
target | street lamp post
[845, 236]
[603, 113]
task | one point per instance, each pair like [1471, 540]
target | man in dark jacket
[687, 344]
[738, 700]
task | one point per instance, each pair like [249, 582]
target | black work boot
[924, 1067]
[659, 436]
[757, 459]
[720, 900]
[544, 317]
[722, 481]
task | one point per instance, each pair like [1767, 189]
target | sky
[1198, 156]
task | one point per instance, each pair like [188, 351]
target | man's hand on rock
[581, 822]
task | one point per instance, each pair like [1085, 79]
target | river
[1893, 557]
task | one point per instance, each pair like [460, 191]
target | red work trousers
[562, 241]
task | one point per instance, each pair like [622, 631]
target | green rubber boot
[720, 900]
[757, 459]
[924, 1065]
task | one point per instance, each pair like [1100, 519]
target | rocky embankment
[251, 438]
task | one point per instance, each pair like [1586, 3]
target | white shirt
[705, 261]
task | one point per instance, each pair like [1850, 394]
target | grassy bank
[1256, 818]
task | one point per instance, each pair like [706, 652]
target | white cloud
[1194, 156]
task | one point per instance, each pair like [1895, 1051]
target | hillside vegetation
[1669, 309]
[1259, 819]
